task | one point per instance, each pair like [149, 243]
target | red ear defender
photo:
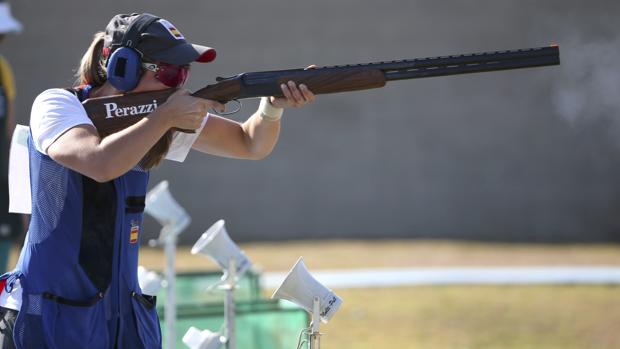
[105, 52]
[207, 56]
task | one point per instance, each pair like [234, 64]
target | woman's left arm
[257, 136]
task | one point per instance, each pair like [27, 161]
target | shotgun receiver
[114, 113]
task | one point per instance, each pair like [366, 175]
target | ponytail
[158, 152]
[92, 66]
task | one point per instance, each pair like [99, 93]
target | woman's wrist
[267, 111]
[161, 117]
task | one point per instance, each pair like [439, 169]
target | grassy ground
[338, 254]
[485, 317]
[476, 317]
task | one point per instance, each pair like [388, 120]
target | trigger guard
[239, 104]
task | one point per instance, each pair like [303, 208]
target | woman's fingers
[298, 99]
[215, 105]
[308, 95]
[286, 91]
[294, 95]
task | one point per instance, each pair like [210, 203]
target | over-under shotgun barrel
[111, 114]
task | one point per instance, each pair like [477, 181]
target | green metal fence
[192, 288]
[260, 323]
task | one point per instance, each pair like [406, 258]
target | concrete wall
[521, 155]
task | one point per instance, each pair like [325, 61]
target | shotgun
[114, 113]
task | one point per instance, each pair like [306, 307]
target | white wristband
[267, 111]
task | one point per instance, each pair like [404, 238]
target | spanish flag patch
[134, 232]
[172, 29]
[175, 32]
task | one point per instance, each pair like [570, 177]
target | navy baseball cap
[157, 40]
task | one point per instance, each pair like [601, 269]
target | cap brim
[185, 53]
[207, 54]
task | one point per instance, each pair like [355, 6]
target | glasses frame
[157, 67]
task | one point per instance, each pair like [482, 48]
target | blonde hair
[92, 65]
[157, 153]
[92, 71]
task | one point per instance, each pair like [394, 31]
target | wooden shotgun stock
[114, 113]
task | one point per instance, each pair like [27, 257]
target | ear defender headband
[124, 64]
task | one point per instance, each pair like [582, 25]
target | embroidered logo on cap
[172, 29]
[133, 233]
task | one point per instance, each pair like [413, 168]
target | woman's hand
[185, 111]
[294, 96]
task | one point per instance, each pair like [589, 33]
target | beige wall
[488, 156]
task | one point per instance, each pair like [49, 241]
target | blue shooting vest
[78, 267]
